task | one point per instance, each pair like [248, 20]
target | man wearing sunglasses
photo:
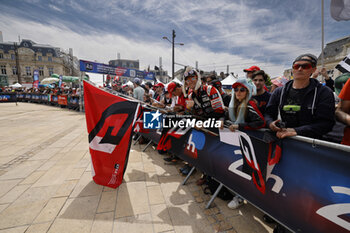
[302, 106]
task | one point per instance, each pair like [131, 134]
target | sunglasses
[242, 89]
[187, 79]
[303, 66]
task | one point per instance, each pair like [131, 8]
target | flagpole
[322, 54]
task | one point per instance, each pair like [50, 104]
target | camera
[281, 124]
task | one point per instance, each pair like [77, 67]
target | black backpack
[224, 193]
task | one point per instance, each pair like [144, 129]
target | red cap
[171, 88]
[159, 85]
[252, 69]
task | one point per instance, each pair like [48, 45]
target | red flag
[109, 120]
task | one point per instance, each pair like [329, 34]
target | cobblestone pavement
[46, 184]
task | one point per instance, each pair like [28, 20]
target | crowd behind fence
[65, 98]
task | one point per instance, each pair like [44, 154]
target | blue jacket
[316, 116]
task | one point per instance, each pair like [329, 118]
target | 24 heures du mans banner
[110, 121]
[303, 186]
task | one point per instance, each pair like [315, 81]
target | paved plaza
[46, 184]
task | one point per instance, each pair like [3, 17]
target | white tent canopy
[49, 80]
[16, 85]
[228, 81]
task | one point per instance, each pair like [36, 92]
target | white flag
[340, 9]
[344, 65]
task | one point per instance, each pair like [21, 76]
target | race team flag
[110, 120]
[344, 65]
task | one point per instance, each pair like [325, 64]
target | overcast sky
[216, 33]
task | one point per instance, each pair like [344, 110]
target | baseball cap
[159, 85]
[311, 58]
[171, 88]
[252, 69]
[137, 81]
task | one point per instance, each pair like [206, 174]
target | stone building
[125, 63]
[334, 52]
[19, 60]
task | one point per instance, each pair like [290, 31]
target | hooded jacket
[317, 109]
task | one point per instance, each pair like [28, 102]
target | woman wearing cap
[243, 111]
[244, 114]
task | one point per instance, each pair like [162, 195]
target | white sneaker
[235, 203]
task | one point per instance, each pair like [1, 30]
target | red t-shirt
[345, 91]
[345, 95]
[181, 101]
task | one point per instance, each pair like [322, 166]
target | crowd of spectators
[301, 106]
[42, 90]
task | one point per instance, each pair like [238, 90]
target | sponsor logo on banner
[195, 142]
[4, 97]
[120, 71]
[89, 66]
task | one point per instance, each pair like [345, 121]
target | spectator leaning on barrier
[343, 111]
[138, 90]
[303, 106]
[262, 96]
[244, 114]
[159, 91]
[149, 86]
[204, 100]
[175, 92]
[243, 111]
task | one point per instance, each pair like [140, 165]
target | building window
[1, 55]
[3, 69]
[14, 70]
[41, 71]
[49, 58]
[39, 58]
[28, 71]
[50, 71]
[12, 57]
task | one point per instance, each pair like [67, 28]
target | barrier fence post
[214, 196]
[138, 138]
[188, 175]
[147, 146]
[80, 95]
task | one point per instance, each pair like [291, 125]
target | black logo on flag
[108, 142]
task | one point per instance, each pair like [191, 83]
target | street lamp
[173, 50]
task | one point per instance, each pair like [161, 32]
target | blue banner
[308, 190]
[36, 79]
[60, 82]
[93, 67]
[8, 97]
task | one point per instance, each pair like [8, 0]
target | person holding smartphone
[303, 106]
